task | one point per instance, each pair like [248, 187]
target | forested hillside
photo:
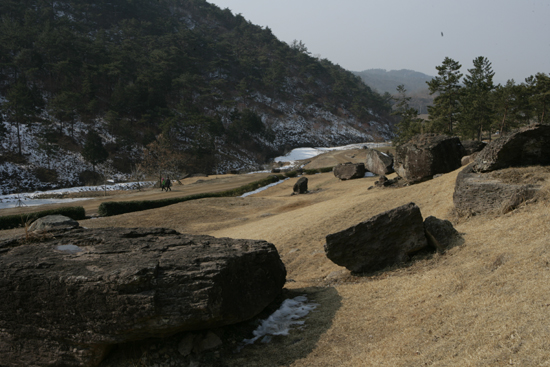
[182, 78]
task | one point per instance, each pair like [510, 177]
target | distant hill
[384, 81]
[208, 85]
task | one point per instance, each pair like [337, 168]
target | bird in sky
[441, 34]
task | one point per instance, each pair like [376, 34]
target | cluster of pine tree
[474, 107]
[159, 68]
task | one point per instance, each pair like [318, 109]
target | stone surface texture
[68, 298]
[383, 240]
[441, 234]
[379, 163]
[482, 193]
[427, 155]
[527, 146]
[349, 171]
[53, 222]
[300, 187]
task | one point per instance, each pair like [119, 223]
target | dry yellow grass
[485, 303]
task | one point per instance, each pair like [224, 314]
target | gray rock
[527, 146]
[467, 159]
[53, 222]
[349, 171]
[379, 163]
[69, 298]
[427, 155]
[210, 341]
[483, 193]
[441, 234]
[473, 146]
[383, 240]
[300, 187]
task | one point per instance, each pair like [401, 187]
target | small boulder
[53, 222]
[349, 171]
[379, 163]
[300, 187]
[383, 240]
[441, 234]
[426, 155]
[527, 146]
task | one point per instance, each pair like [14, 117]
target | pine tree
[410, 124]
[94, 152]
[477, 110]
[444, 113]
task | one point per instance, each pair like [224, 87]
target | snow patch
[262, 188]
[281, 321]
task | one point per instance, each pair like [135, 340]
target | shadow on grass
[300, 342]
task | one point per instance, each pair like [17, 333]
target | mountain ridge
[207, 86]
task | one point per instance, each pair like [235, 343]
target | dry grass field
[484, 303]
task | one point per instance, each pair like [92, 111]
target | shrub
[291, 174]
[311, 171]
[14, 221]
[326, 169]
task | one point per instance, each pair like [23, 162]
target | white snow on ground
[306, 153]
[369, 174]
[281, 321]
[33, 199]
[262, 188]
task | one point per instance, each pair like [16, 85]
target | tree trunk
[19, 139]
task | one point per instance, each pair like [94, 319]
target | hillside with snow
[169, 86]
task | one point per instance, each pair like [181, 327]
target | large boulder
[383, 240]
[349, 171]
[73, 295]
[483, 193]
[527, 146]
[379, 163]
[300, 187]
[427, 155]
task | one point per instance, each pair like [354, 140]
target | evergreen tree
[444, 113]
[507, 106]
[477, 109]
[93, 151]
[409, 123]
[539, 90]
[23, 104]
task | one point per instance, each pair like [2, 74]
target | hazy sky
[406, 34]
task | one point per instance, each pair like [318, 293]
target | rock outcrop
[383, 240]
[300, 187]
[349, 171]
[427, 155]
[379, 163]
[53, 222]
[527, 146]
[482, 193]
[71, 296]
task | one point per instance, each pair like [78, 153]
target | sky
[417, 35]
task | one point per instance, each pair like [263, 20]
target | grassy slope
[486, 303]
